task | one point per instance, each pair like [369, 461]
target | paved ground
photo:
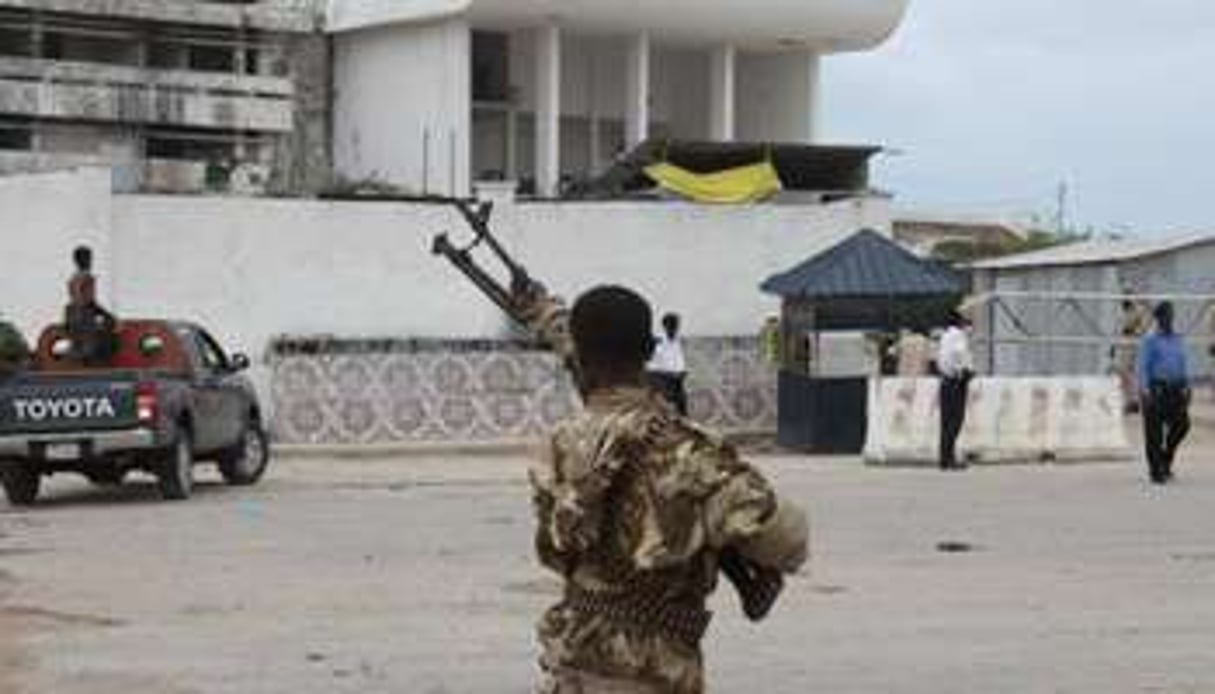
[414, 576]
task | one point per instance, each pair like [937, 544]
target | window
[167, 56]
[15, 42]
[491, 67]
[77, 45]
[190, 145]
[213, 358]
[16, 134]
[212, 58]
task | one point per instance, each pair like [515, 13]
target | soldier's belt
[638, 612]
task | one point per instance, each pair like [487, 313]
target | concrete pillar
[722, 93]
[777, 97]
[637, 107]
[512, 144]
[814, 89]
[596, 153]
[548, 110]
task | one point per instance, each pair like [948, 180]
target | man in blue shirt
[1164, 391]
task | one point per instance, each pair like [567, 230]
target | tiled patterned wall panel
[384, 392]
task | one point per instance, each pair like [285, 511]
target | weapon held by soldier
[638, 509]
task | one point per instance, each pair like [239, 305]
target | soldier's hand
[524, 289]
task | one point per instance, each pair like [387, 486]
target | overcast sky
[993, 103]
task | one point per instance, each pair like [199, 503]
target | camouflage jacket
[633, 506]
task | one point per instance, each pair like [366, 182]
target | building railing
[294, 16]
[61, 89]
[152, 175]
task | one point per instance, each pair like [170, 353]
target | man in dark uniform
[89, 326]
[1164, 393]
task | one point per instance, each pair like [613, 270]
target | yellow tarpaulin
[730, 187]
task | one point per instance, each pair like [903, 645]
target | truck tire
[245, 464]
[21, 484]
[176, 474]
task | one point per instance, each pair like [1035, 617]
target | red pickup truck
[167, 398]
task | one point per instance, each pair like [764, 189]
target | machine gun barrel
[477, 217]
[462, 259]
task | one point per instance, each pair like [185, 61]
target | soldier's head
[611, 330]
[82, 256]
[670, 325]
[1164, 317]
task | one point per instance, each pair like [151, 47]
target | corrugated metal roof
[865, 265]
[1096, 252]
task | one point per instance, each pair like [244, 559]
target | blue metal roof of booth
[866, 265]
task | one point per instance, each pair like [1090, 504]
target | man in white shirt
[668, 369]
[956, 366]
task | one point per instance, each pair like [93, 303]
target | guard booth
[841, 310]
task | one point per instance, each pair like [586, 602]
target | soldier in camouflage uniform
[635, 508]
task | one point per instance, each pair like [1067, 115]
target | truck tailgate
[64, 404]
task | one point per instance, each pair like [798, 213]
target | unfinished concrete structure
[175, 95]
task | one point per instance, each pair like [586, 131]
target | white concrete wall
[356, 270]
[42, 218]
[777, 97]
[262, 268]
[251, 269]
[402, 109]
[703, 262]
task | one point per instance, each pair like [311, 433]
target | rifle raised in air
[477, 216]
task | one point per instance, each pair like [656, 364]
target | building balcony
[39, 88]
[294, 16]
[165, 176]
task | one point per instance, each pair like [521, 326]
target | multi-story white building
[434, 94]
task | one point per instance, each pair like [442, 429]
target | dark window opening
[188, 150]
[16, 42]
[491, 67]
[90, 49]
[16, 135]
[252, 58]
[212, 58]
[167, 56]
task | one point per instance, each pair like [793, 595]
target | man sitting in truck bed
[89, 326]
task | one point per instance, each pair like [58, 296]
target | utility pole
[1061, 210]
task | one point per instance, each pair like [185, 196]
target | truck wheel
[20, 484]
[246, 463]
[176, 473]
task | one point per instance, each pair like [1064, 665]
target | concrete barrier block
[1008, 420]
